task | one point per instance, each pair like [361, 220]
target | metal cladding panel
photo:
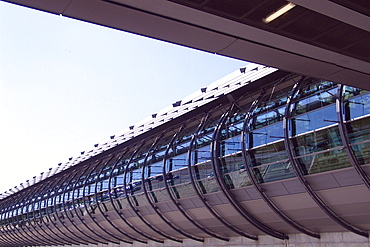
[51, 6]
[293, 186]
[144, 23]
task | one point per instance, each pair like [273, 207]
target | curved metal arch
[11, 233]
[200, 195]
[300, 175]
[53, 184]
[120, 214]
[63, 240]
[344, 136]
[12, 236]
[138, 213]
[66, 211]
[6, 239]
[29, 232]
[102, 239]
[97, 202]
[173, 199]
[13, 230]
[40, 236]
[39, 239]
[254, 181]
[155, 208]
[111, 200]
[8, 236]
[75, 237]
[60, 217]
[216, 166]
[41, 187]
[128, 195]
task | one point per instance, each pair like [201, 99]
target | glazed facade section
[292, 128]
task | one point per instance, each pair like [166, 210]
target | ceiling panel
[299, 23]
[342, 36]
[310, 25]
[362, 6]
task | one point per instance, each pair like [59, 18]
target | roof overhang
[218, 29]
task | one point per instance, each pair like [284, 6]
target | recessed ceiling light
[279, 12]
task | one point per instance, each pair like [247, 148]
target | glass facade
[233, 145]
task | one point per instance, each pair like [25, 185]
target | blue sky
[66, 85]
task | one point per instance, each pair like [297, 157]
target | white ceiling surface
[178, 24]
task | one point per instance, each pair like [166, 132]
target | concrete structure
[263, 157]
[260, 157]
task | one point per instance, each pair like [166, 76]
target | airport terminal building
[261, 157]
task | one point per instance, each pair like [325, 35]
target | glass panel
[268, 154]
[265, 135]
[359, 130]
[357, 107]
[270, 162]
[314, 120]
[233, 170]
[359, 137]
[324, 161]
[205, 179]
[318, 143]
[314, 102]
[350, 92]
[200, 159]
[230, 146]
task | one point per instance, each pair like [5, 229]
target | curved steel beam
[155, 208]
[8, 236]
[300, 174]
[216, 166]
[121, 215]
[138, 213]
[173, 199]
[128, 195]
[52, 240]
[61, 217]
[64, 241]
[6, 239]
[74, 241]
[97, 201]
[27, 231]
[88, 173]
[261, 191]
[30, 232]
[15, 232]
[200, 194]
[68, 183]
[9, 233]
[110, 199]
[101, 238]
[12, 234]
[36, 232]
[344, 136]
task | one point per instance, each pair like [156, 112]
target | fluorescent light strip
[279, 12]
